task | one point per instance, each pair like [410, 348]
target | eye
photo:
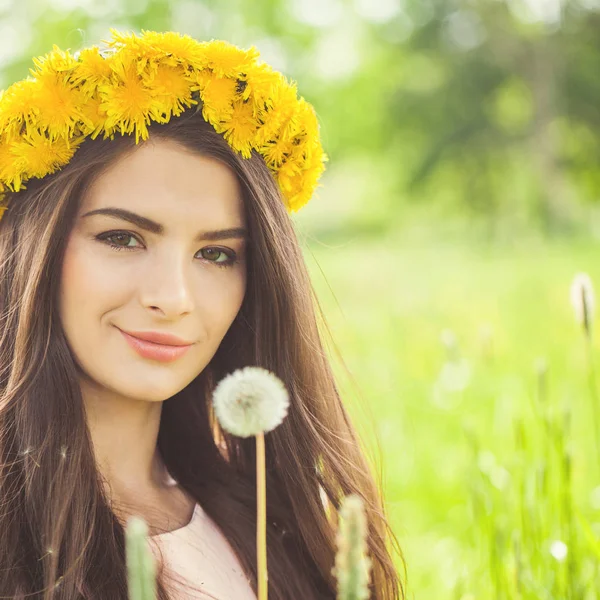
[118, 235]
[229, 257]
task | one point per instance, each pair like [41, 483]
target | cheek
[221, 301]
[86, 284]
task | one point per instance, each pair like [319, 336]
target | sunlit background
[460, 201]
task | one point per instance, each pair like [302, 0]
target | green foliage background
[460, 199]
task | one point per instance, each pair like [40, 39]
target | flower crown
[152, 77]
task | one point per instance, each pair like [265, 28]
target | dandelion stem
[261, 517]
[141, 568]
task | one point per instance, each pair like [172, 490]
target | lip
[162, 352]
[158, 337]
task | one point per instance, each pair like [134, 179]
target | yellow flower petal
[278, 109]
[93, 117]
[7, 162]
[92, 70]
[276, 151]
[55, 61]
[17, 105]
[240, 129]
[37, 155]
[172, 90]
[10, 171]
[227, 60]
[183, 48]
[57, 104]
[126, 101]
[217, 96]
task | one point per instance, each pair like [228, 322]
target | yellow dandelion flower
[227, 60]
[57, 104]
[307, 118]
[10, 170]
[296, 202]
[262, 82]
[182, 47]
[315, 157]
[240, 129]
[17, 105]
[281, 95]
[134, 51]
[139, 49]
[269, 126]
[315, 165]
[276, 151]
[279, 108]
[295, 196]
[135, 57]
[55, 61]
[91, 71]
[292, 126]
[124, 40]
[37, 155]
[126, 101]
[305, 183]
[171, 87]
[217, 97]
[259, 80]
[202, 79]
[7, 161]
[285, 175]
[93, 117]
[303, 149]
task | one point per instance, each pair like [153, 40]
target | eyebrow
[154, 227]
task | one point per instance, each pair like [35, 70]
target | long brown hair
[59, 537]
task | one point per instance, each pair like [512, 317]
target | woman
[178, 233]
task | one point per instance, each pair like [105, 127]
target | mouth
[154, 351]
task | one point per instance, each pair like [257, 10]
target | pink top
[200, 553]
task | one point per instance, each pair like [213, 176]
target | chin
[149, 387]
[154, 392]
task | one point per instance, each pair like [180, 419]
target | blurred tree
[494, 100]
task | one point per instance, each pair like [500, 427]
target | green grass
[476, 480]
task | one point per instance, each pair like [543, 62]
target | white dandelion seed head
[249, 401]
[582, 297]
[559, 550]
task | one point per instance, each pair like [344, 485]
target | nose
[166, 286]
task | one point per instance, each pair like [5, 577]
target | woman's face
[161, 266]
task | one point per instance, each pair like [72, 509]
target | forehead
[164, 178]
